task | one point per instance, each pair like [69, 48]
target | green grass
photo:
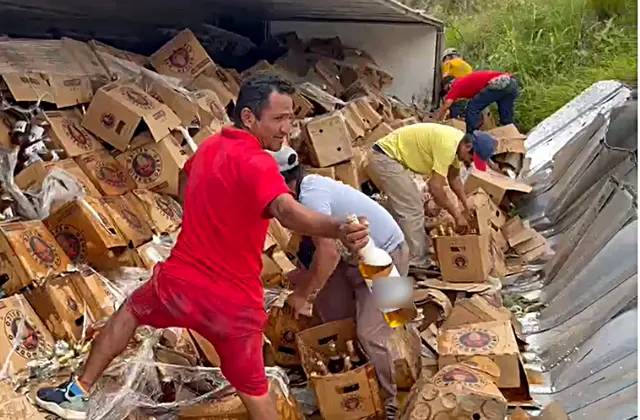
[556, 48]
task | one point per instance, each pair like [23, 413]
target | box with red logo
[154, 166]
[61, 307]
[464, 258]
[344, 396]
[164, 213]
[24, 338]
[28, 252]
[106, 174]
[130, 221]
[68, 133]
[86, 232]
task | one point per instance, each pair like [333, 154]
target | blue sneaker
[67, 401]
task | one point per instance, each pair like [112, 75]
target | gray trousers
[346, 295]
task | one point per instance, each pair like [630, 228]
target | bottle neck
[368, 248]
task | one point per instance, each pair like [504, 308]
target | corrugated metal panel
[160, 12]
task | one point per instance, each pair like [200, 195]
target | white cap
[286, 158]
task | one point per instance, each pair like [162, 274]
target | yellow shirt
[424, 148]
[456, 67]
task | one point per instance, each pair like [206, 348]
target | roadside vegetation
[555, 48]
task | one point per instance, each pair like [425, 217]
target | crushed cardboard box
[404, 344]
[67, 132]
[130, 222]
[91, 288]
[106, 173]
[86, 232]
[495, 340]
[282, 330]
[165, 214]
[119, 110]
[25, 337]
[61, 90]
[494, 184]
[33, 175]
[28, 252]
[465, 390]
[154, 165]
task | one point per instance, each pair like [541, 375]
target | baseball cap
[484, 145]
[286, 158]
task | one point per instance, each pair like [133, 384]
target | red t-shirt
[469, 86]
[231, 181]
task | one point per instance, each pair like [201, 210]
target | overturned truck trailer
[402, 41]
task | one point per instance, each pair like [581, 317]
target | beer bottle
[336, 363]
[441, 230]
[376, 262]
[321, 369]
[354, 358]
[347, 363]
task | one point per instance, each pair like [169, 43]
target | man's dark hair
[467, 139]
[294, 174]
[255, 91]
[446, 81]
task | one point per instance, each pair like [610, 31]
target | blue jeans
[503, 97]
[458, 108]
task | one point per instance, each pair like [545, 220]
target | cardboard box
[154, 166]
[279, 233]
[211, 111]
[474, 310]
[509, 139]
[282, 329]
[458, 391]
[183, 57]
[61, 90]
[350, 395]
[130, 222]
[495, 340]
[61, 307]
[376, 134]
[165, 214]
[405, 345]
[329, 140]
[6, 127]
[361, 160]
[271, 274]
[16, 406]
[360, 117]
[206, 349]
[231, 407]
[119, 110]
[22, 325]
[86, 232]
[100, 47]
[28, 252]
[106, 173]
[349, 174]
[67, 132]
[494, 184]
[459, 124]
[33, 175]
[216, 79]
[463, 259]
[489, 216]
[92, 291]
[329, 172]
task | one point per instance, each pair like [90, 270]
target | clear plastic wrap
[8, 161]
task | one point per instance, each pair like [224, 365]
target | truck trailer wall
[407, 51]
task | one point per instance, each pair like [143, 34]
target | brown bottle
[321, 369]
[450, 231]
[336, 363]
[441, 230]
[354, 357]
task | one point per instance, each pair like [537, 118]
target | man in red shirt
[211, 282]
[482, 88]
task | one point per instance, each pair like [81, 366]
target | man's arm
[437, 185]
[443, 109]
[325, 260]
[456, 185]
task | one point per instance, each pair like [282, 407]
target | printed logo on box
[352, 403]
[181, 59]
[27, 340]
[108, 119]
[41, 251]
[169, 208]
[132, 220]
[145, 165]
[460, 261]
[476, 341]
[137, 98]
[77, 134]
[111, 175]
[457, 375]
[72, 304]
[72, 242]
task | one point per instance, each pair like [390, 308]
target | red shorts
[232, 332]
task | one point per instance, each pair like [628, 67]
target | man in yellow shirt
[435, 151]
[454, 67]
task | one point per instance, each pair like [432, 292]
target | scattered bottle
[441, 230]
[347, 363]
[336, 363]
[321, 368]
[354, 357]
[376, 262]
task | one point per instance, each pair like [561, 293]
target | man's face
[274, 125]
[465, 154]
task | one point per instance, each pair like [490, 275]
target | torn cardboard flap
[509, 139]
[69, 134]
[106, 173]
[118, 110]
[98, 46]
[494, 184]
[33, 175]
[61, 90]
[182, 57]
[458, 287]
[474, 310]
[527, 241]
[132, 225]
[219, 81]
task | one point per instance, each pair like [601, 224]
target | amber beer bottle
[376, 262]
